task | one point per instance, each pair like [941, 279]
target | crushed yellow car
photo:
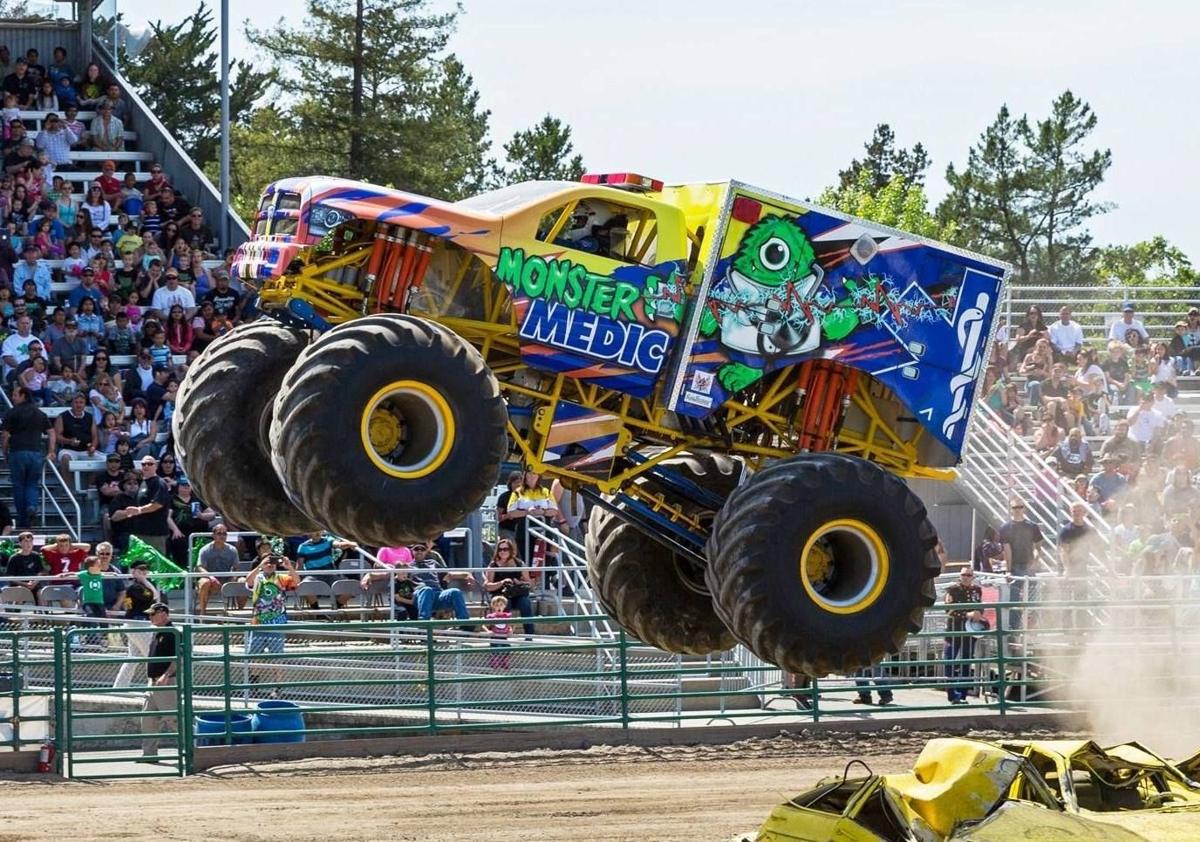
[963, 790]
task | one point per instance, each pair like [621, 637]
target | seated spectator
[317, 553]
[1057, 386]
[98, 211]
[225, 300]
[72, 348]
[115, 102]
[105, 397]
[35, 379]
[171, 206]
[25, 564]
[89, 322]
[1108, 485]
[59, 66]
[1032, 328]
[18, 163]
[171, 294]
[72, 122]
[1145, 422]
[428, 593]
[1086, 371]
[1075, 454]
[143, 430]
[1183, 448]
[1120, 328]
[33, 59]
[1049, 437]
[1039, 361]
[216, 557]
[120, 339]
[1121, 448]
[152, 189]
[506, 576]
[111, 187]
[65, 92]
[179, 331]
[15, 349]
[1180, 496]
[56, 140]
[195, 231]
[112, 430]
[107, 133]
[1163, 402]
[87, 289]
[64, 386]
[65, 556]
[197, 276]
[1163, 370]
[91, 86]
[1066, 336]
[21, 84]
[10, 113]
[76, 433]
[131, 196]
[47, 98]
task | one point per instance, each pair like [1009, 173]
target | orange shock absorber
[387, 275]
[377, 254]
[424, 252]
[826, 387]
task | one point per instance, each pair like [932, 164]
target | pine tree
[420, 129]
[177, 76]
[884, 161]
[542, 152]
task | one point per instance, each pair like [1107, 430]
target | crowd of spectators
[1105, 419]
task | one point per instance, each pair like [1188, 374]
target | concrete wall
[950, 515]
[44, 37]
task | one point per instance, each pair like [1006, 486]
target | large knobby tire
[389, 429]
[822, 563]
[222, 415]
[650, 591]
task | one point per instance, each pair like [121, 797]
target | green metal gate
[102, 728]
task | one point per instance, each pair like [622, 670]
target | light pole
[224, 124]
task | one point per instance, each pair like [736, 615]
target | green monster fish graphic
[759, 306]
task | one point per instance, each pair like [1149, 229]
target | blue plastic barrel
[274, 716]
[209, 724]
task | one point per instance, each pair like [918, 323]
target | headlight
[322, 219]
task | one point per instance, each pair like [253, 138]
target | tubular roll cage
[800, 408]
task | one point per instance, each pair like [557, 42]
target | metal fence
[82, 687]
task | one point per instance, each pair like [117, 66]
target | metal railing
[1095, 308]
[47, 494]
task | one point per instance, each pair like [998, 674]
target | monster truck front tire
[822, 563]
[389, 429]
[650, 591]
[222, 415]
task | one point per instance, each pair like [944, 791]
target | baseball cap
[27, 141]
[140, 565]
[160, 606]
[183, 481]
[1127, 306]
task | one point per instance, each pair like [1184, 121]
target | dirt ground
[602, 793]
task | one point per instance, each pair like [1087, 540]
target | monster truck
[740, 382]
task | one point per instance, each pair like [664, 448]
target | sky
[783, 94]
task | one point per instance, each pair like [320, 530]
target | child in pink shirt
[499, 629]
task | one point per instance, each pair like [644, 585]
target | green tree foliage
[1026, 193]
[543, 152]
[421, 127]
[177, 75]
[885, 161]
[1153, 262]
[898, 203]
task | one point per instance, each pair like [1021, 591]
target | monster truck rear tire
[650, 591]
[822, 563]
[222, 414]
[389, 429]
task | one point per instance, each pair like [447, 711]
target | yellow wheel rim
[844, 566]
[407, 429]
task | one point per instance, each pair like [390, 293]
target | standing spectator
[91, 589]
[1076, 543]
[218, 556]
[1066, 336]
[862, 682]
[1119, 330]
[150, 514]
[960, 647]
[507, 576]
[570, 505]
[189, 515]
[56, 140]
[140, 595]
[498, 627]
[179, 333]
[21, 84]
[1166, 407]
[120, 521]
[161, 700]
[989, 554]
[268, 604]
[23, 428]
[1020, 540]
[107, 133]
[531, 499]
[25, 564]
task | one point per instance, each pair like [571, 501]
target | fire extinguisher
[46, 758]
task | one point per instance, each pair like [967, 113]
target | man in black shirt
[224, 298]
[23, 428]
[26, 563]
[172, 207]
[22, 84]
[20, 160]
[1020, 539]
[152, 508]
[960, 649]
[161, 695]
[76, 433]
[120, 521]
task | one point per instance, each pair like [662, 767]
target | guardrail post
[814, 697]
[623, 663]
[226, 681]
[60, 741]
[430, 680]
[183, 678]
[1001, 666]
